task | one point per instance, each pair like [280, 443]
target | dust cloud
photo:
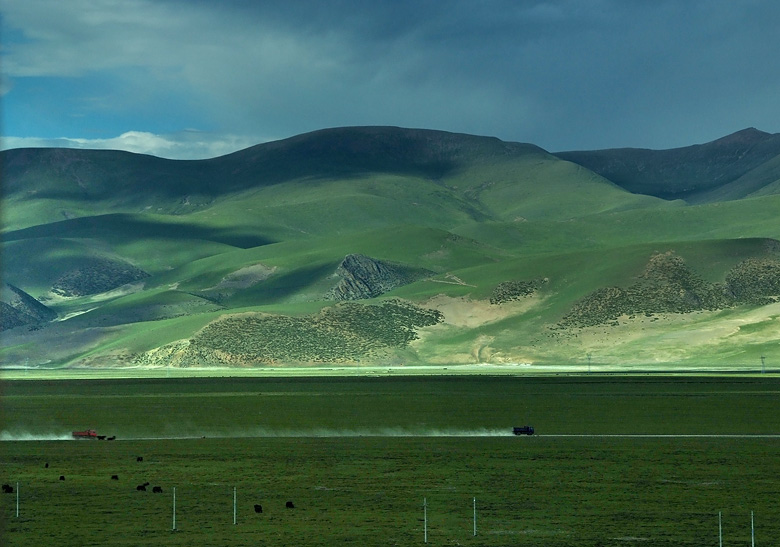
[37, 436]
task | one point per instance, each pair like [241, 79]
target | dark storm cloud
[562, 74]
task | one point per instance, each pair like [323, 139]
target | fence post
[475, 517]
[752, 531]
[174, 510]
[425, 520]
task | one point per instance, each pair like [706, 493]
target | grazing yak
[62, 477]
[141, 488]
[114, 477]
[258, 508]
[289, 505]
[139, 459]
[157, 490]
[8, 489]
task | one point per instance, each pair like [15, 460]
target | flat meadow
[616, 460]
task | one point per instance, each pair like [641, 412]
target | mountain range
[393, 246]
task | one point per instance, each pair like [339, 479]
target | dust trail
[30, 436]
[382, 432]
[328, 433]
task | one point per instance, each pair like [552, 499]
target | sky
[189, 79]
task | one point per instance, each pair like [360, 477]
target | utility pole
[588, 362]
[763, 368]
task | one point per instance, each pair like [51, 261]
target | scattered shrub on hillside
[755, 281]
[96, 276]
[392, 323]
[508, 291]
[667, 285]
[342, 333]
[600, 306]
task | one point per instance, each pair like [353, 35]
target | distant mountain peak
[748, 136]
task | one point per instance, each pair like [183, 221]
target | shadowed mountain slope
[732, 167]
[134, 181]
[17, 308]
[45, 185]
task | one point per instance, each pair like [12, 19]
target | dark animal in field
[114, 477]
[146, 483]
[47, 465]
[157, 490]
[141, 488]
[139, 459]
[258, 508]
[111, 438]
[8, 489]
[101, 437]
[289, 505]
[62, 477]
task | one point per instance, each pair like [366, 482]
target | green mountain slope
[448, 248]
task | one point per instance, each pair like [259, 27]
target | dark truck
[524, 430]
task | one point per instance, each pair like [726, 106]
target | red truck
[88, 434]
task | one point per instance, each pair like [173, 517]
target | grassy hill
[471, 250]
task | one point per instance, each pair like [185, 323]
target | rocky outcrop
[17, 308]
[364, 277]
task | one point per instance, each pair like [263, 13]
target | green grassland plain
[616, 460]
